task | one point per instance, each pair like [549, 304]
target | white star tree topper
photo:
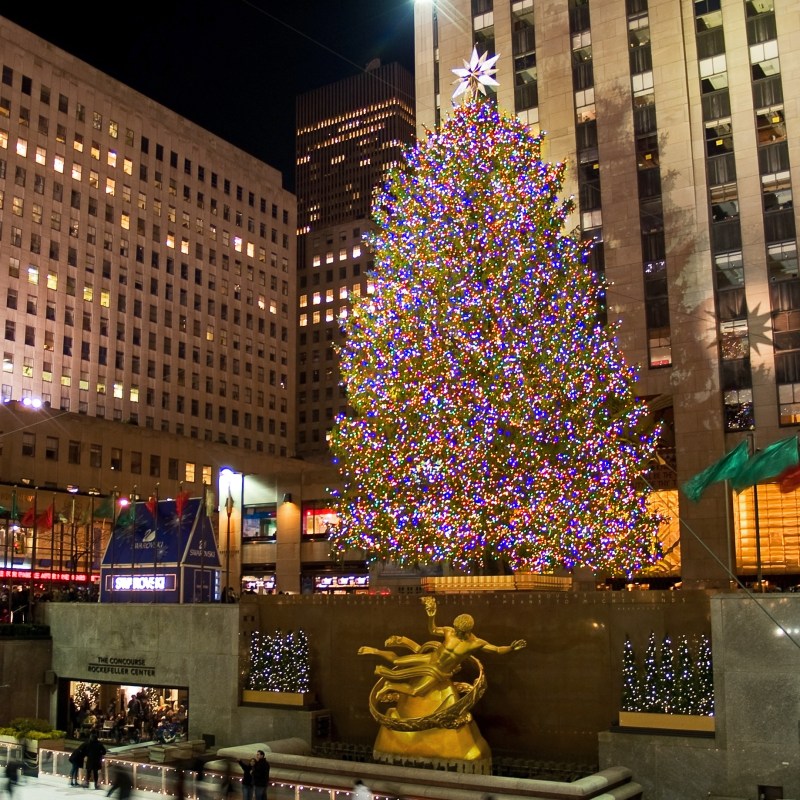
[476, 75]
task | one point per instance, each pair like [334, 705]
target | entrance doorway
[124, 713]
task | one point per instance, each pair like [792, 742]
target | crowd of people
[139, 721]
[16, 605]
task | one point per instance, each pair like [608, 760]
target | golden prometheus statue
[424, 714]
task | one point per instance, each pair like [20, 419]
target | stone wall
[755, 750]
[24, 682]
[547, 702]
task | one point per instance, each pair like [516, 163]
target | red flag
[180, 502]
[28, 518]
[45, 520]
[151, 504]
[789, 479]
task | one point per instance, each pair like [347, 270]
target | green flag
[105, 510]
[767, 463]
[728, 466]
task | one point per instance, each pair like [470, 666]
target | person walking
[260, 776]
[226, 787]
[121, 782]
[12, 776]
[361, 791]
[76, 759]
[95, 751]
[247, 777]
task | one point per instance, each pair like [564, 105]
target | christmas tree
[279, 662]
[705, 678]
[685, 680]
[651, 690]
[492, 416]
[666, 677]
[631, 682]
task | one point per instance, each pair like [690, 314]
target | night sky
[232, 66]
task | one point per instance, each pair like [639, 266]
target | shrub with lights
[666, 683]
[279, 662]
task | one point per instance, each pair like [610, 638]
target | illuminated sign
[325, 582]
[143, 583]
[257, 583]
[44, 576]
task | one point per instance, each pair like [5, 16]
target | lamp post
[228, 511]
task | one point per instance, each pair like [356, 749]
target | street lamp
[228, 511]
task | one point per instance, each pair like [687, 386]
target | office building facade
[149, 326]
[675, 122]
[349, 134]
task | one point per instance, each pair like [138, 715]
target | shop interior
[126, 713]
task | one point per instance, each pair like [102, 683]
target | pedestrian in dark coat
[247, 778]
[121, 782]
[260, 776]
[12, 776]
[76, 759]
[95, 751]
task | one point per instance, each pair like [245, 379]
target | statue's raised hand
[430, 605]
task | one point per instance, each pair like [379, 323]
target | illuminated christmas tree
[651, 690]
[705, 678]
[279, 662]
[666, 677]
[492, 416]
[685, 695]
[631, 681]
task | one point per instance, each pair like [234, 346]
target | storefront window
[260, 523]
[319, 519]
[258, 584]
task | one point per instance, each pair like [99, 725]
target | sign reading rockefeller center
[121, 666]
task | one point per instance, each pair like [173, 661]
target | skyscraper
[348, 134]
[672, 120]
[147, 281]
[146, 264]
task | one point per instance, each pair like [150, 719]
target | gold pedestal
[459, 750]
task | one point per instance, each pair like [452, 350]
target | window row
[79, 453]
[112, 128]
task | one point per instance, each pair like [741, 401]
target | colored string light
[492, 415]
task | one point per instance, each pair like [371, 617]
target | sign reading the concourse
[121, 666]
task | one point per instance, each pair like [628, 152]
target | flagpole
[33, 559]
[5, 542]
[52, 550]
[155, 546]
[13, 523]
[134, 497]
[759, 584]
[9, 515]
[202, 547]
[113, 539]
[53, 546]
[91, 528]
[228, 510]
